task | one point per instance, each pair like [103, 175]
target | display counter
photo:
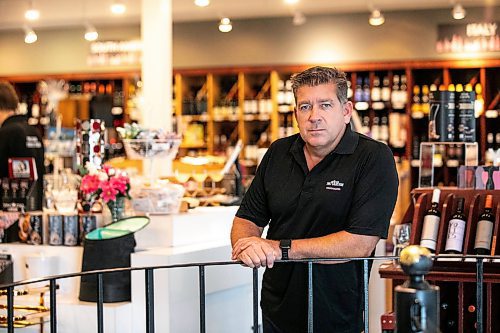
[201, 235]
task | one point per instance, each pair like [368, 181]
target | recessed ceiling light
[291, 2]
[32, 14]
[202, 3]
[118, 8]
[225, 25]
[376, 18]
[458, 12]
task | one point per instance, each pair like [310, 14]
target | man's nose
[314, 114]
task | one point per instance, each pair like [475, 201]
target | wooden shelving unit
[207, 83]
[456, 278]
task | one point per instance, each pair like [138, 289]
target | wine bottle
[431, 223]
[456, 229]
[484, 231]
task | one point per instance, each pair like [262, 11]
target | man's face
[320, 116]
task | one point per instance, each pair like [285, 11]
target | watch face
[285, 243]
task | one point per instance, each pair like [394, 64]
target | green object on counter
[118, 229]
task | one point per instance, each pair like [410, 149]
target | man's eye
[305, 107]
[326, 105]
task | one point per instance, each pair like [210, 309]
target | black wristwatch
[285, 245]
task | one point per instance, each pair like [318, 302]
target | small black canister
[56, 235]
[442, 116]
[71, 228]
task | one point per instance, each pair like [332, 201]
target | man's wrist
[285, 247]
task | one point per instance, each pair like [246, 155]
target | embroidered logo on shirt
[33, 142]
[334, 185]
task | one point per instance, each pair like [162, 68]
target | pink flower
[108, 192]
[105, 184]
[119, 183]
[90, 184]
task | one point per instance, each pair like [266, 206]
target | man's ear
[347, 111]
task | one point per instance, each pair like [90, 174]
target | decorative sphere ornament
[415, 260]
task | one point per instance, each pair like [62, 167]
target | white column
[156, 31]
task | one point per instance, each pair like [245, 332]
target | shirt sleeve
[254, 205]
[375, 194]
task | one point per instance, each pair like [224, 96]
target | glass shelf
[438, 154]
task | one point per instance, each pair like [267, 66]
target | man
[19, 139]
[328, 192]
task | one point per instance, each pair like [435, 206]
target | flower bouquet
[109, 185]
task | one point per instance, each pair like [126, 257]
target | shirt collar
[15, 118]
[346, 146]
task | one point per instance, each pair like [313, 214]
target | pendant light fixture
[458, 12]
[90, 32]
[376, 18]
[225, 25]
[29, 35]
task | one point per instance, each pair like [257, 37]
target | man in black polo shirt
[19, 139]
[328, 192]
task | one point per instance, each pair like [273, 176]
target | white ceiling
[61, 13]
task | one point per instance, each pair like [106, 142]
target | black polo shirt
[19, 139]
[354, 188]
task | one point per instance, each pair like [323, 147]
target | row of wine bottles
[457, 227]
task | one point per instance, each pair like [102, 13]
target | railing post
[100, 301]
[10, 309]
[255, 279]
[479, 294]
[150, 316]
[201, 274]
[310, 309]
[365, 293]
[53, 309]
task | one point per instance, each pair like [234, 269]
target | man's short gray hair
[315, 76]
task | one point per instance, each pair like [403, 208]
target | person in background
[326, 192]
[19, 139]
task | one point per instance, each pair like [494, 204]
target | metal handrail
[149, 285]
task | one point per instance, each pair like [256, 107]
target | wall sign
[470, 37]
[115, 53]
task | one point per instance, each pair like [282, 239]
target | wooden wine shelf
[456, 277]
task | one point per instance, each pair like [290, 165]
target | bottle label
[456, 232]
[430, 232]
[483, 235]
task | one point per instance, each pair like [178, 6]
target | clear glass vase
[117, 209]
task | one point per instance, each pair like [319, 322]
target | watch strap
[285, 245]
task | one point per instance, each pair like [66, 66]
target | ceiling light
[291, 2]
[376, 18]
[118, 8]
[225, 25]
[202, 3]
[32, 14]
[90, 32]
[29, 35]
[458, 12]
[299, 18]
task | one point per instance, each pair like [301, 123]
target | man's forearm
[243, 228]
[337, 245]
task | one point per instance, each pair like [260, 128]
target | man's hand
[256, 252]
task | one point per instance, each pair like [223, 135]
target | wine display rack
[456, 277]
[227, 104]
